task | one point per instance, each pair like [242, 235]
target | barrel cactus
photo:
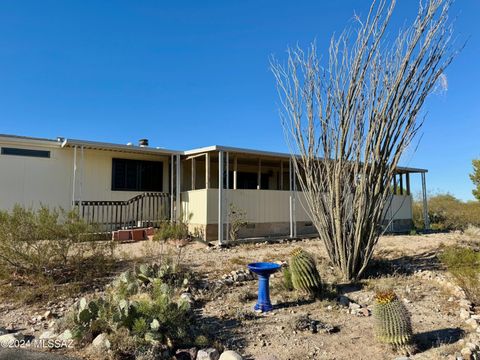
[393, 325]
[304, 273]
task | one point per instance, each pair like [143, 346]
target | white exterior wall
[265, 206]
[32, 181]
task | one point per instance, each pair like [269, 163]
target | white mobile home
[121, 186]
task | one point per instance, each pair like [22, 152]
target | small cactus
[304, 273]
[393, 325]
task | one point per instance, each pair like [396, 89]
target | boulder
[101, 342]
[186, 354]
[65, 336]
[230, 355]
[3, 331]
[47, 335]
[208, 354]
[8, 340]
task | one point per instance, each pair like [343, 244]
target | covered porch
[263, 186]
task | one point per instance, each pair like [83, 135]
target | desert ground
[226, 307]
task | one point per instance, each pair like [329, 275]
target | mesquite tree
[348, 121]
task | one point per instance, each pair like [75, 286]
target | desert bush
[464, 265]
[237, 218]
[143, 305]
[172, 231]
[50, 246]
[447, 213]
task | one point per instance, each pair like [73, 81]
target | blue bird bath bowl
[263, 270]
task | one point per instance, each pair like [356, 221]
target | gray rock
[3, 331]
[8, 340]
[230, 355]
[46, 335]
[343, 300]
[101, 342]
[65, 336]
[208, 354]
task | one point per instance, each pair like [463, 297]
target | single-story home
[124, 186]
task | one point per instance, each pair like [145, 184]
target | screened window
[137, 175]
[25, 152]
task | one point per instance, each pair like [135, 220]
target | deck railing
[146, 209]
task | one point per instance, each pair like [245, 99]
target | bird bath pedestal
[263, 270]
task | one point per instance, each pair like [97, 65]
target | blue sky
[195, 73]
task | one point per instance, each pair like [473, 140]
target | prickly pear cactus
[304, 273]
[393, 325]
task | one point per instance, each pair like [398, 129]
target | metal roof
[94, 145]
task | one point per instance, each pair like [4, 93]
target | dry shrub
[446, 212]
[464, 264]
[46, 250]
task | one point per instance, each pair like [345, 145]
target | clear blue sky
[194, 73]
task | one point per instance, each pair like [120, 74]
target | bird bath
[263, 270]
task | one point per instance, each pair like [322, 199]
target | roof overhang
[94, 145]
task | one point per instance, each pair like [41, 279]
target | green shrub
[49, 247]
[172, 231]
[464, 265]
[447, 213]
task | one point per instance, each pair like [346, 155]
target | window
[249, 180]
[137, 175]
[25, 152]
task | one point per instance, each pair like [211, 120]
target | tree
[348, 122]
[475, 177]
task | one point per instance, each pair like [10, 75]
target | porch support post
[426, 220]
[401, 184]
[220, 197]
[395, 184]
[227, 205]
[290, 198]
[74, 184]
[281, 175]
[207, 170]
[177, 190]
[172, 214]
[407, 177]
[235, 172]
[294, 212]
[194, 175]
[259, 175]
[82, 175]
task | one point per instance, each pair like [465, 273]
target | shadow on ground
[432, 339]
[404, 265]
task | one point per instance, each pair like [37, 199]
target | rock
[472, 323]
[186, 354]
[66, 335]
[186, 296]
[9, 340]
[466, 353]
[208, 354]
[354, 306]
[402, 358]
[464, 314]
[101, 342]
[230, 355]
[343, 300]
[46, 335]
[47, 315]
[3, 331]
